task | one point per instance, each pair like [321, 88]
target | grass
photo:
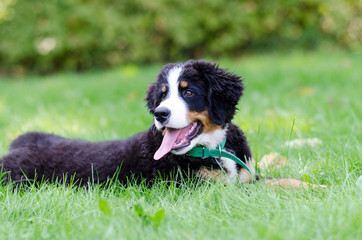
[288, 97]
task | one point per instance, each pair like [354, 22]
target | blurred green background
[54, 35]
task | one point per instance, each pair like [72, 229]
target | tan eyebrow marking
[163, 88]
[184, 84]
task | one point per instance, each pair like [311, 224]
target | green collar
[218, 153]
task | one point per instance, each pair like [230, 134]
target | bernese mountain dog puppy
[193, 104]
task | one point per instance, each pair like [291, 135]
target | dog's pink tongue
[168, 141]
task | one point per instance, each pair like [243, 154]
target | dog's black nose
[162, 115]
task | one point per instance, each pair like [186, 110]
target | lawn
[305, 106]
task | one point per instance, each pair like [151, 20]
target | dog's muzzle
[162, 115]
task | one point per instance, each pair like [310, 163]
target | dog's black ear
[225, 90]
[151, 97]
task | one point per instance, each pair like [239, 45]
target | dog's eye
[163, 95]
[188, 93]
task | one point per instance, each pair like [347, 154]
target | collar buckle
[219, 151]
[203, 153]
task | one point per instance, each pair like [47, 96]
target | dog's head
[192, 104]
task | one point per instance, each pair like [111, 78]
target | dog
[193, 104]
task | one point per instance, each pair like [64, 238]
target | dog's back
[37, 154]
[36, 139]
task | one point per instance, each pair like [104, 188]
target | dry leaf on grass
[289, 183]
[272, 160]
[275, 160]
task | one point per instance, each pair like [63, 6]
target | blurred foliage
[52, 35]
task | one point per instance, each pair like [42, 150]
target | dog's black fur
[48, 156]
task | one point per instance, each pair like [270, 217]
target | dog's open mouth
[177, 139]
